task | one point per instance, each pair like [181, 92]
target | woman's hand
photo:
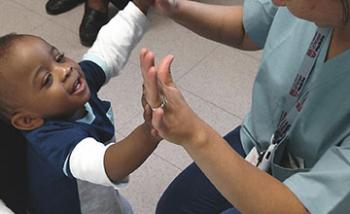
[150, 97]
[167, 7]
[149, 76]
[175, 121]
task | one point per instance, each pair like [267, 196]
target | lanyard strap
[294, 101]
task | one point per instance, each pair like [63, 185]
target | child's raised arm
[118, 37]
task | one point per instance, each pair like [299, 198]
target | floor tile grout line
[210, 102]
[197, 63]
[44, 20]
[167, 161]
[133, 116]
[47, 18]
[246, 53]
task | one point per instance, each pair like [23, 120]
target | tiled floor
[215, 79]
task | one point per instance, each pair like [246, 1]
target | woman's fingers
[164, 72]
[164, 80]
[152, 92]
[146, 60]
[158, 121]
[149, 75]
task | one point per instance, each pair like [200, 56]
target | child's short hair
[6, 43]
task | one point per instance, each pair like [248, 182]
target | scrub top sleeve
[326, 187]
[257, 19]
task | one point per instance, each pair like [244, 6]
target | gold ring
[163, 103]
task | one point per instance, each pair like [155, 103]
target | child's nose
[66, 73]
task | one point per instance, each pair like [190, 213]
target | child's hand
[147, 110]
[144, 5]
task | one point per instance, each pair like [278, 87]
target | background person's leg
[54, 7]
[192, 192]
[95, 16]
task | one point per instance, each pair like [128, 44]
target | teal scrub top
[319, 136]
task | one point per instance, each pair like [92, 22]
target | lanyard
[294, 101]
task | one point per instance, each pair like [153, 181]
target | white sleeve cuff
[4, 209]
[116, 39]
[87, 163]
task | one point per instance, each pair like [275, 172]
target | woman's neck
[340, 41]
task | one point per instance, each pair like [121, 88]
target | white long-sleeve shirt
[110, 51]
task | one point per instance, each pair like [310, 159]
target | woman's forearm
[248, 188]
[220, 23]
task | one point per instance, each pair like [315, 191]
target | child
[53, 101]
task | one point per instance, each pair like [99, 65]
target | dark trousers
[13, 186]
[192, 193]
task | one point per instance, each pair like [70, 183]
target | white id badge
[264, 162]
[253, 157]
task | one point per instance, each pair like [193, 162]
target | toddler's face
[44, 81]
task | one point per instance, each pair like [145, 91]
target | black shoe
[55, 7]
[120, 4]
[90, 25]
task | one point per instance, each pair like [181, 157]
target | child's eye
[60, 58]
[47, 80]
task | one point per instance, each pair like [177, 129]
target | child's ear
[26, 121]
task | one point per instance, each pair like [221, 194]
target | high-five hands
[172, 117]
